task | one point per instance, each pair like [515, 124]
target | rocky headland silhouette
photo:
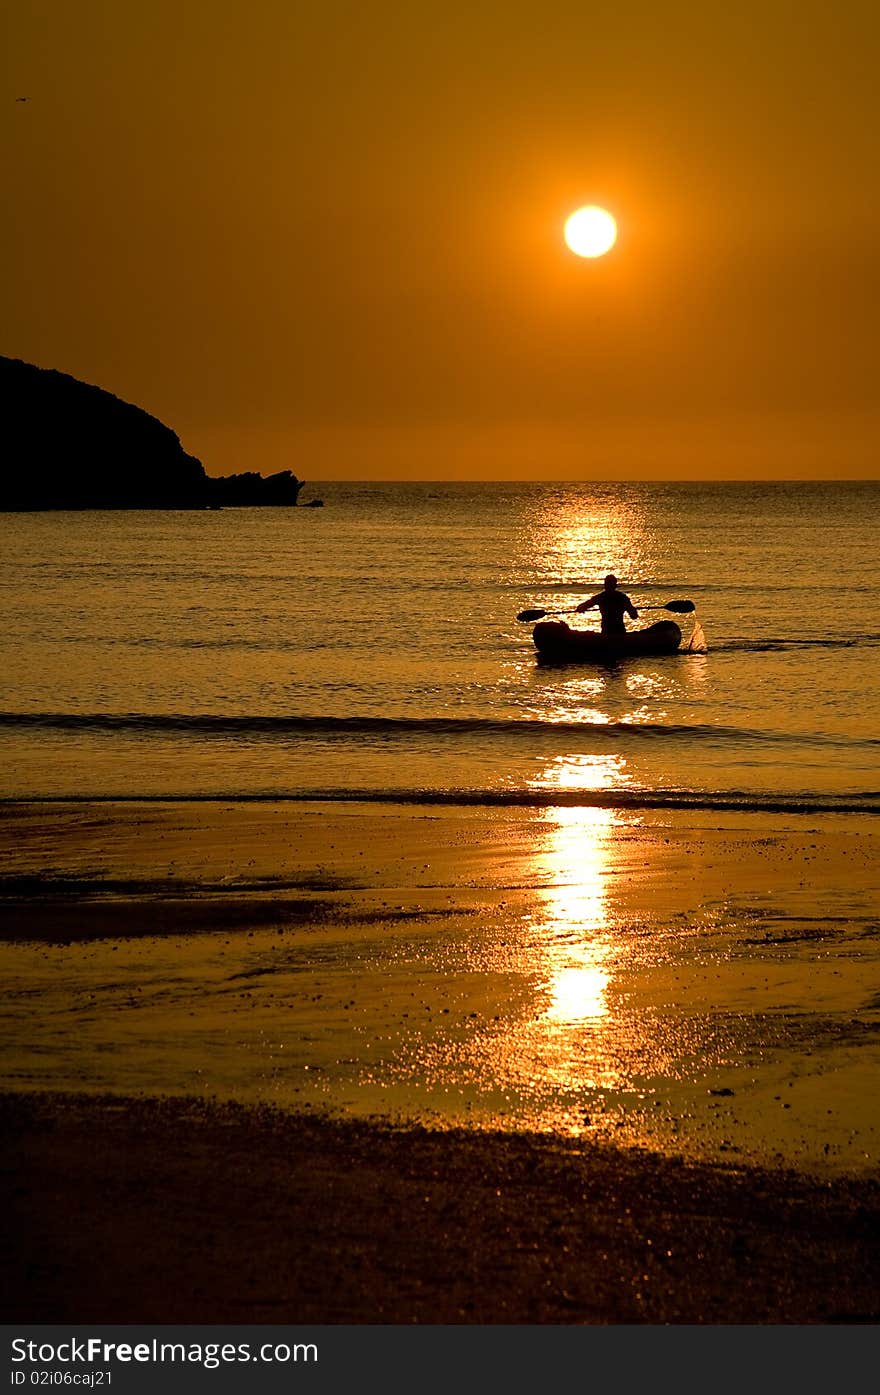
[74, 446]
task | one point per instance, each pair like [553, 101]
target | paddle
[678, 608]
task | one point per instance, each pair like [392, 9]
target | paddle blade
[531, 615]
[680, 607]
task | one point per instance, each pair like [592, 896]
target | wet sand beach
[617, 1024]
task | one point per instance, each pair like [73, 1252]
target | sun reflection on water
[572, 951]
[562, 1041]
[578, 993]
[602, 531]
[574, 916]
[567, 1042]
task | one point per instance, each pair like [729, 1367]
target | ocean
[371, 650]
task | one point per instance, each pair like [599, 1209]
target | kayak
[558, 643]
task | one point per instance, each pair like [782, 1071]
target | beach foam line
[730, 801]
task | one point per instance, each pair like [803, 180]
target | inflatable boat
[558, 643]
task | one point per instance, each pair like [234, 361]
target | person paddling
[613, 605]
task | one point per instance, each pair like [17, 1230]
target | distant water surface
[371, 647]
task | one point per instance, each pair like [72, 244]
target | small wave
[218, 724]
[730, 801]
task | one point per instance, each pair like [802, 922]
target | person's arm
[631, 610]
[588, 605]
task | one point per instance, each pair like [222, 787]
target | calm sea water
[371, 648]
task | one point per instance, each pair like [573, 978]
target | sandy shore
[409, 1064]
[171, 1212]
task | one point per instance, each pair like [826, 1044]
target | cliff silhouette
[74, 446]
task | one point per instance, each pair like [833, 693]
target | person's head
[610, 582]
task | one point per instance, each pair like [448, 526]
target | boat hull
[558, 643]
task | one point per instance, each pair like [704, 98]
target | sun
[590, 231]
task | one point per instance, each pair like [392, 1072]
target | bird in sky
[22, 99]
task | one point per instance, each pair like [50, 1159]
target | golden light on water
[580, 543]
[578, 993]
[568, 1037]
[575, 946]
[590, 231]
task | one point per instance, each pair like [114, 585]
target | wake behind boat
[556, 642]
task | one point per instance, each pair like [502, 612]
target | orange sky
[328, 236]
